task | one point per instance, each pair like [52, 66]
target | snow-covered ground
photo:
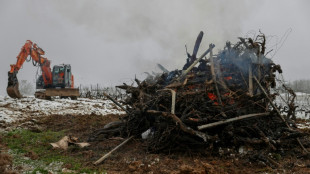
[302, 101]
[17, 109]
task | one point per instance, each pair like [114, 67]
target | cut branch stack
[225, 101]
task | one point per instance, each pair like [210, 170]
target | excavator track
[13, 91]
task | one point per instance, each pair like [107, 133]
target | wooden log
[214, 78]
[113, 150]
[174, 85]
[126, 87]
[218, 72]
[181, 124]
[274, 162]
[270, 101]
[215, 82]
[114, 101]
[250, 81]
[302, 146]
[210, 125]
[173, 93]
[211, 46]
[173, 97]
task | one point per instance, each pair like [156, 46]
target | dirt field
[133, 157]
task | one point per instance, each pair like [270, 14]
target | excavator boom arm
[29, 49]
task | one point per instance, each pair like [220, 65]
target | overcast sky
[110, 41]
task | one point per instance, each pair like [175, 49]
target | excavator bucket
[12, 89]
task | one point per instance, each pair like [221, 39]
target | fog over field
[109, 42]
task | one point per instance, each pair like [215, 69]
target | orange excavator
[59, 82]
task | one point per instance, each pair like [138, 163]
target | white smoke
[108, 41]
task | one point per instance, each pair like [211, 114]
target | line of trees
[300, 85]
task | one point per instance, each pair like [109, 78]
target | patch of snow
[17, 109]
[304, 125]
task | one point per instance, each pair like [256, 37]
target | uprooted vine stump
[225, 101]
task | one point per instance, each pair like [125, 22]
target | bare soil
[134, 158]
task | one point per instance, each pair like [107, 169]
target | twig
[108, 154]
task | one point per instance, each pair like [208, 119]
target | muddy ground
[134, 158]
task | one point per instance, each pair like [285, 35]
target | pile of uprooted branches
[222, 100]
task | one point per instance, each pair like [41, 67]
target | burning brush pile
[222, 100]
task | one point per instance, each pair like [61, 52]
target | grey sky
[108, 41]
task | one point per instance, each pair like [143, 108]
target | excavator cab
[62, 76]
